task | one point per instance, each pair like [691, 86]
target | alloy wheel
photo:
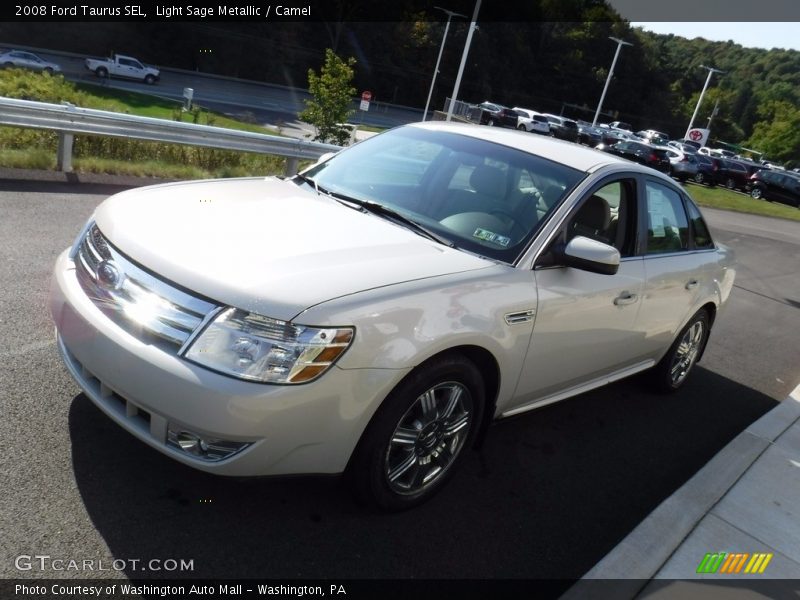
[428, 438]
[686, 353]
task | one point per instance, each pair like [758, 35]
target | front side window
[608, 216]
[484, 197]
[667, 226]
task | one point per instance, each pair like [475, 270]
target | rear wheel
[101, 72]
[415, 440]
[491, 123]
[730, 183]
[673, 370]
[699, 178]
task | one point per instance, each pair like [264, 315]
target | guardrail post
[291, 166]
[64, 155]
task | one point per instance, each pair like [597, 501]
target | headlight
[256, 348]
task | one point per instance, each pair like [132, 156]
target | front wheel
[415, 440]
[101, 72]
[149, 80]
[521, 127]
[491, 123]
[673, 370]
[699, 178]
[755, 193]
[730, 183]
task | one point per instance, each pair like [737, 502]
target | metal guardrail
[70, 120]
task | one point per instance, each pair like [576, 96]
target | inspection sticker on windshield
[488, 236]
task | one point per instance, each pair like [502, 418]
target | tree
[778, 133]
[332, 93]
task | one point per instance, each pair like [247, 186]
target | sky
[750, 35]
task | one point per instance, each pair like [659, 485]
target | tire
[521, 127]
[48, 70]
[674, 368]
[101, 72]
[699, 178]
[415, 440]
[491, 123]
[149, 79]
[755, 193]
[8, 65]
[730, 183]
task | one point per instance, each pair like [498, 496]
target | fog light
[204, 448]
[188, 442]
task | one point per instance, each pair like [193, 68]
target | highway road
[266, 103]
[548, 494]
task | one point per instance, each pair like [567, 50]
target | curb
[629, 567]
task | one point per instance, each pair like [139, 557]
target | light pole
[620, 44]
[450, 15]
[711, 71]
[472, 27]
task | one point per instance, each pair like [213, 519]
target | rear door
[675, 269]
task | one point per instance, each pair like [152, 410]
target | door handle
[691, 284]
[625, 298]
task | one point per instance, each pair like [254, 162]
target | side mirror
[590, 255]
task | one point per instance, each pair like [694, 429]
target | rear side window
[667, 226]
[702, 238]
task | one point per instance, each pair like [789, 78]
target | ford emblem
[108, 275]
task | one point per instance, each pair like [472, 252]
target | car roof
[569, 154]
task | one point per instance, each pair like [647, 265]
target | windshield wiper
[309, 181]
[383, 211]
[391, 214]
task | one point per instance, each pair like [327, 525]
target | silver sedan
[373, 314]
[27, 60]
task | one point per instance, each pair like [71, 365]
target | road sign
[366, 96]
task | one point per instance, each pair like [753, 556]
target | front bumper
[292, 429]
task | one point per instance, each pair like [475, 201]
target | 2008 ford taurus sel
[370, 315]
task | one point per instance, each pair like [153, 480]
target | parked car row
[775, 186]
[685, 160]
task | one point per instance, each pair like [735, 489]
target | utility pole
[620, 44]
[711, 71]
[472, 27]
[450, 15]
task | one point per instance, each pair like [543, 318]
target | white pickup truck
[123, 66]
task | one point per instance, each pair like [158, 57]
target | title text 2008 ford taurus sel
[371, 314]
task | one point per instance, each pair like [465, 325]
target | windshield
[486, 198]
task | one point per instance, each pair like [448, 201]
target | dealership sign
[698, 135]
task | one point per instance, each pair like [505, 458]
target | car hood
[268, 245]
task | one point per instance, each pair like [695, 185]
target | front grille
[142, 304]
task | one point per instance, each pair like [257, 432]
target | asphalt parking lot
[547, 495]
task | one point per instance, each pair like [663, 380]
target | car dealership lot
[547, 495]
